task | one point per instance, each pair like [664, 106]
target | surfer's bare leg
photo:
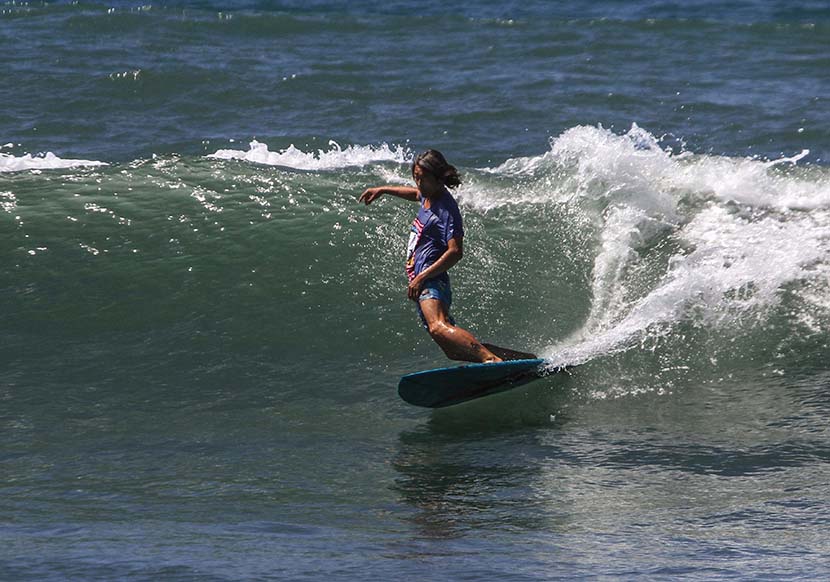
[508, 354]
[457, 343]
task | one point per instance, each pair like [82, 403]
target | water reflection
[472, 468]
[656, 479]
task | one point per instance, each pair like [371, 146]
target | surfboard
[447, 386]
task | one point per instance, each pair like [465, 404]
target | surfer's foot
[508, 354]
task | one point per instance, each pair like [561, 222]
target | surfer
[436, 243]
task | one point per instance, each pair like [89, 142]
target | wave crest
[47, 161]
[743, 232]
[321, 160]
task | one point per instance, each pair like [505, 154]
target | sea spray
[741, 245]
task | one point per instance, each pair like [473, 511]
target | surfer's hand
[414, 289]
[370, 195]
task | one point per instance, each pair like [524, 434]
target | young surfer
[436, 243]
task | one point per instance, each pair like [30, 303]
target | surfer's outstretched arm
[406, 192]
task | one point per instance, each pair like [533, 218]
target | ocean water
[202, 330]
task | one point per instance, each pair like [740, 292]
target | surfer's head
[431, 165]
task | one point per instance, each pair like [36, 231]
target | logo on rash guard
[414, 237]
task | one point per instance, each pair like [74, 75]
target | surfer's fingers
[369, 195]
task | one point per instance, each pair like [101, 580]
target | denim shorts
[436, 289]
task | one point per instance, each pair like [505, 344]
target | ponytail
[433, 161]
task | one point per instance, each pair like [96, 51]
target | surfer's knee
[438, 329]
[442, 334]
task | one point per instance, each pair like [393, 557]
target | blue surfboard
[447, 386]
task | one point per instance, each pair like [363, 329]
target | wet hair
[433, 161]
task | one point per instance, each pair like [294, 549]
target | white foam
[738, 268]
[607, 166]
[584, 162]
[749, 231]
[48, 161]
[334, 158]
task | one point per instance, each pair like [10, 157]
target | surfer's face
[428, 185]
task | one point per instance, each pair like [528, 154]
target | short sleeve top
[431, 232]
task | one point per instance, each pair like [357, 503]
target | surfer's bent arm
[405, 192]
[453, 254]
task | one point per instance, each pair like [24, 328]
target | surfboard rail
[442, 387]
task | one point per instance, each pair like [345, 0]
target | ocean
[202, 330]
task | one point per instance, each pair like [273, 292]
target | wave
[47, 161]
[677, 237]
[741, 231]
[603, 244]
[332, 159]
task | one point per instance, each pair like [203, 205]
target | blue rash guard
[431, 232]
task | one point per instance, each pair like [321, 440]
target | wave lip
[335, 158]
[47, 161]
